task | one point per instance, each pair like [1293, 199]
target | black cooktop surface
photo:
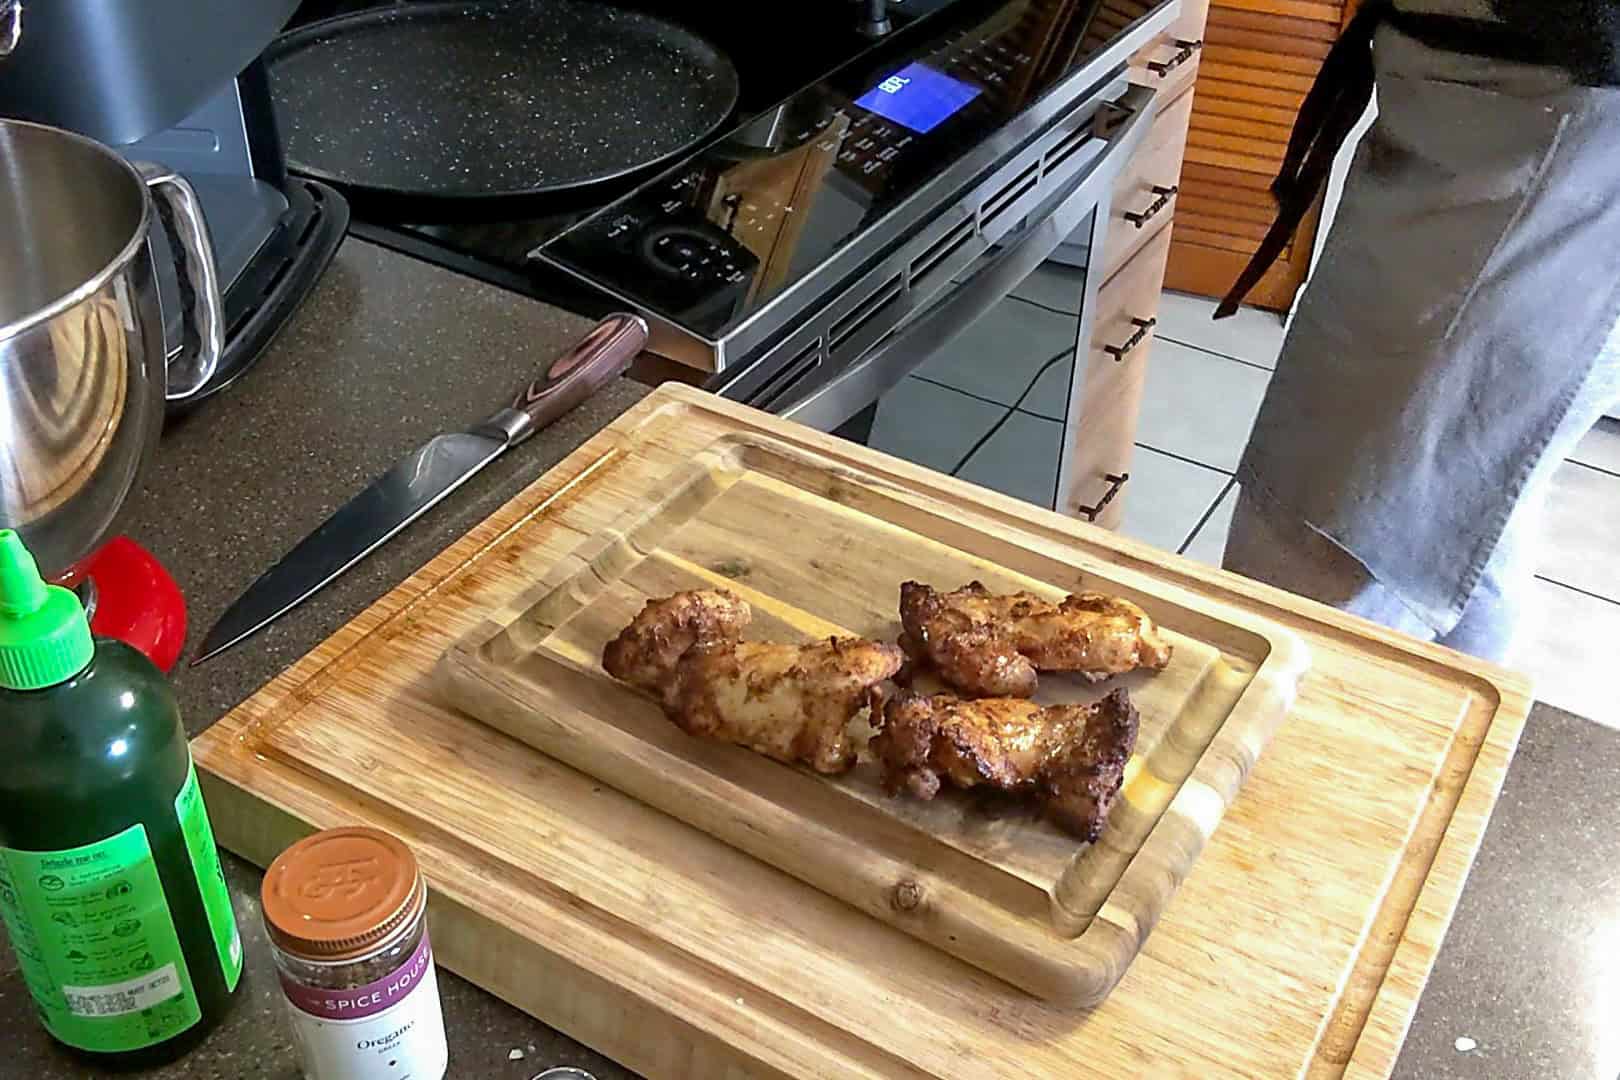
[775, 52]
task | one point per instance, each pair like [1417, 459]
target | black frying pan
[441, 111]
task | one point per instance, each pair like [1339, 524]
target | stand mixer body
[84, 374]
[86, 368]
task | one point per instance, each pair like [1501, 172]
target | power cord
[999, 424]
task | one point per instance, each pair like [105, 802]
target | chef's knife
[419, 480]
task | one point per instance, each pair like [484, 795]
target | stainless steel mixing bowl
[83, 373]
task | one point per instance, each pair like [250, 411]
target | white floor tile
[1165, 498]
[930, 425]
[1209, 544]
[1251, 334]
[998, 355]
[1020, 460]
[1199, 406]
[1054, 285]
[1568, 651]
[1580, 543]
[1601, 447]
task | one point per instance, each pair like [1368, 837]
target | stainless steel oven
[1045, 212]
[1050, 204]
[828, 248]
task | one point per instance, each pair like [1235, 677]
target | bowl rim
[119, 262]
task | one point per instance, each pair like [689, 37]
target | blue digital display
[918, 97]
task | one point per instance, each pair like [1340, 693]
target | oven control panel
[801, 190]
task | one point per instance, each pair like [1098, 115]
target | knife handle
[600, 357]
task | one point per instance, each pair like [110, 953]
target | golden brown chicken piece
[788, 702]
[1070, 757]
[645, 652]
[992, 646]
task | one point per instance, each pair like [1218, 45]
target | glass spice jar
[345, 912]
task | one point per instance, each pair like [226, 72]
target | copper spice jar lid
[340, 893]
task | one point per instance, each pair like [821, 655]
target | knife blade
[423, 478]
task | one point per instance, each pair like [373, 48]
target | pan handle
[203, 311]
[600, 357]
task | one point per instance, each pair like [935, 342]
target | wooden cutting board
[818, 548]
[1296, 945]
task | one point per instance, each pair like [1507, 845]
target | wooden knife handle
[600, 357]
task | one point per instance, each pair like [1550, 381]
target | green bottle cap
[44, 636]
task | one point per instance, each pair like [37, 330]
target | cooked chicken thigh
[992, 645]
[646, 652]
[788, 702]
[1069, 757]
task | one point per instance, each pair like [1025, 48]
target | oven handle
[893, 358]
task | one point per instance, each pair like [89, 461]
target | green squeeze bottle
[110, 884]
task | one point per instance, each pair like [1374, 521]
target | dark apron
[1455, 322]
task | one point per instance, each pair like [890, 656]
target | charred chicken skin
[990, 645]
[1069, 757]
[788, 702]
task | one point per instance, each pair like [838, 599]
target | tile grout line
[1208, 513]
[959, 390]
[980, 397]
[1207, 351]
[1187, 460]
[1577, 589]
[1594, 468]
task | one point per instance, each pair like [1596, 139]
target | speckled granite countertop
[390, 351]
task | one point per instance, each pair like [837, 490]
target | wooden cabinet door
[1260, 58]
[1144, 196]
[1108, 390]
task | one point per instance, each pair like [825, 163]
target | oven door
[1032, 278]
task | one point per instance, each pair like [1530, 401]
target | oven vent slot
[1066, 148]
[941, 249]
[1016, 189]
[862, 313]
[791, 374]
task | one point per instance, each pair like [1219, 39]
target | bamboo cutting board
[818, 548]
[1297, 944]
